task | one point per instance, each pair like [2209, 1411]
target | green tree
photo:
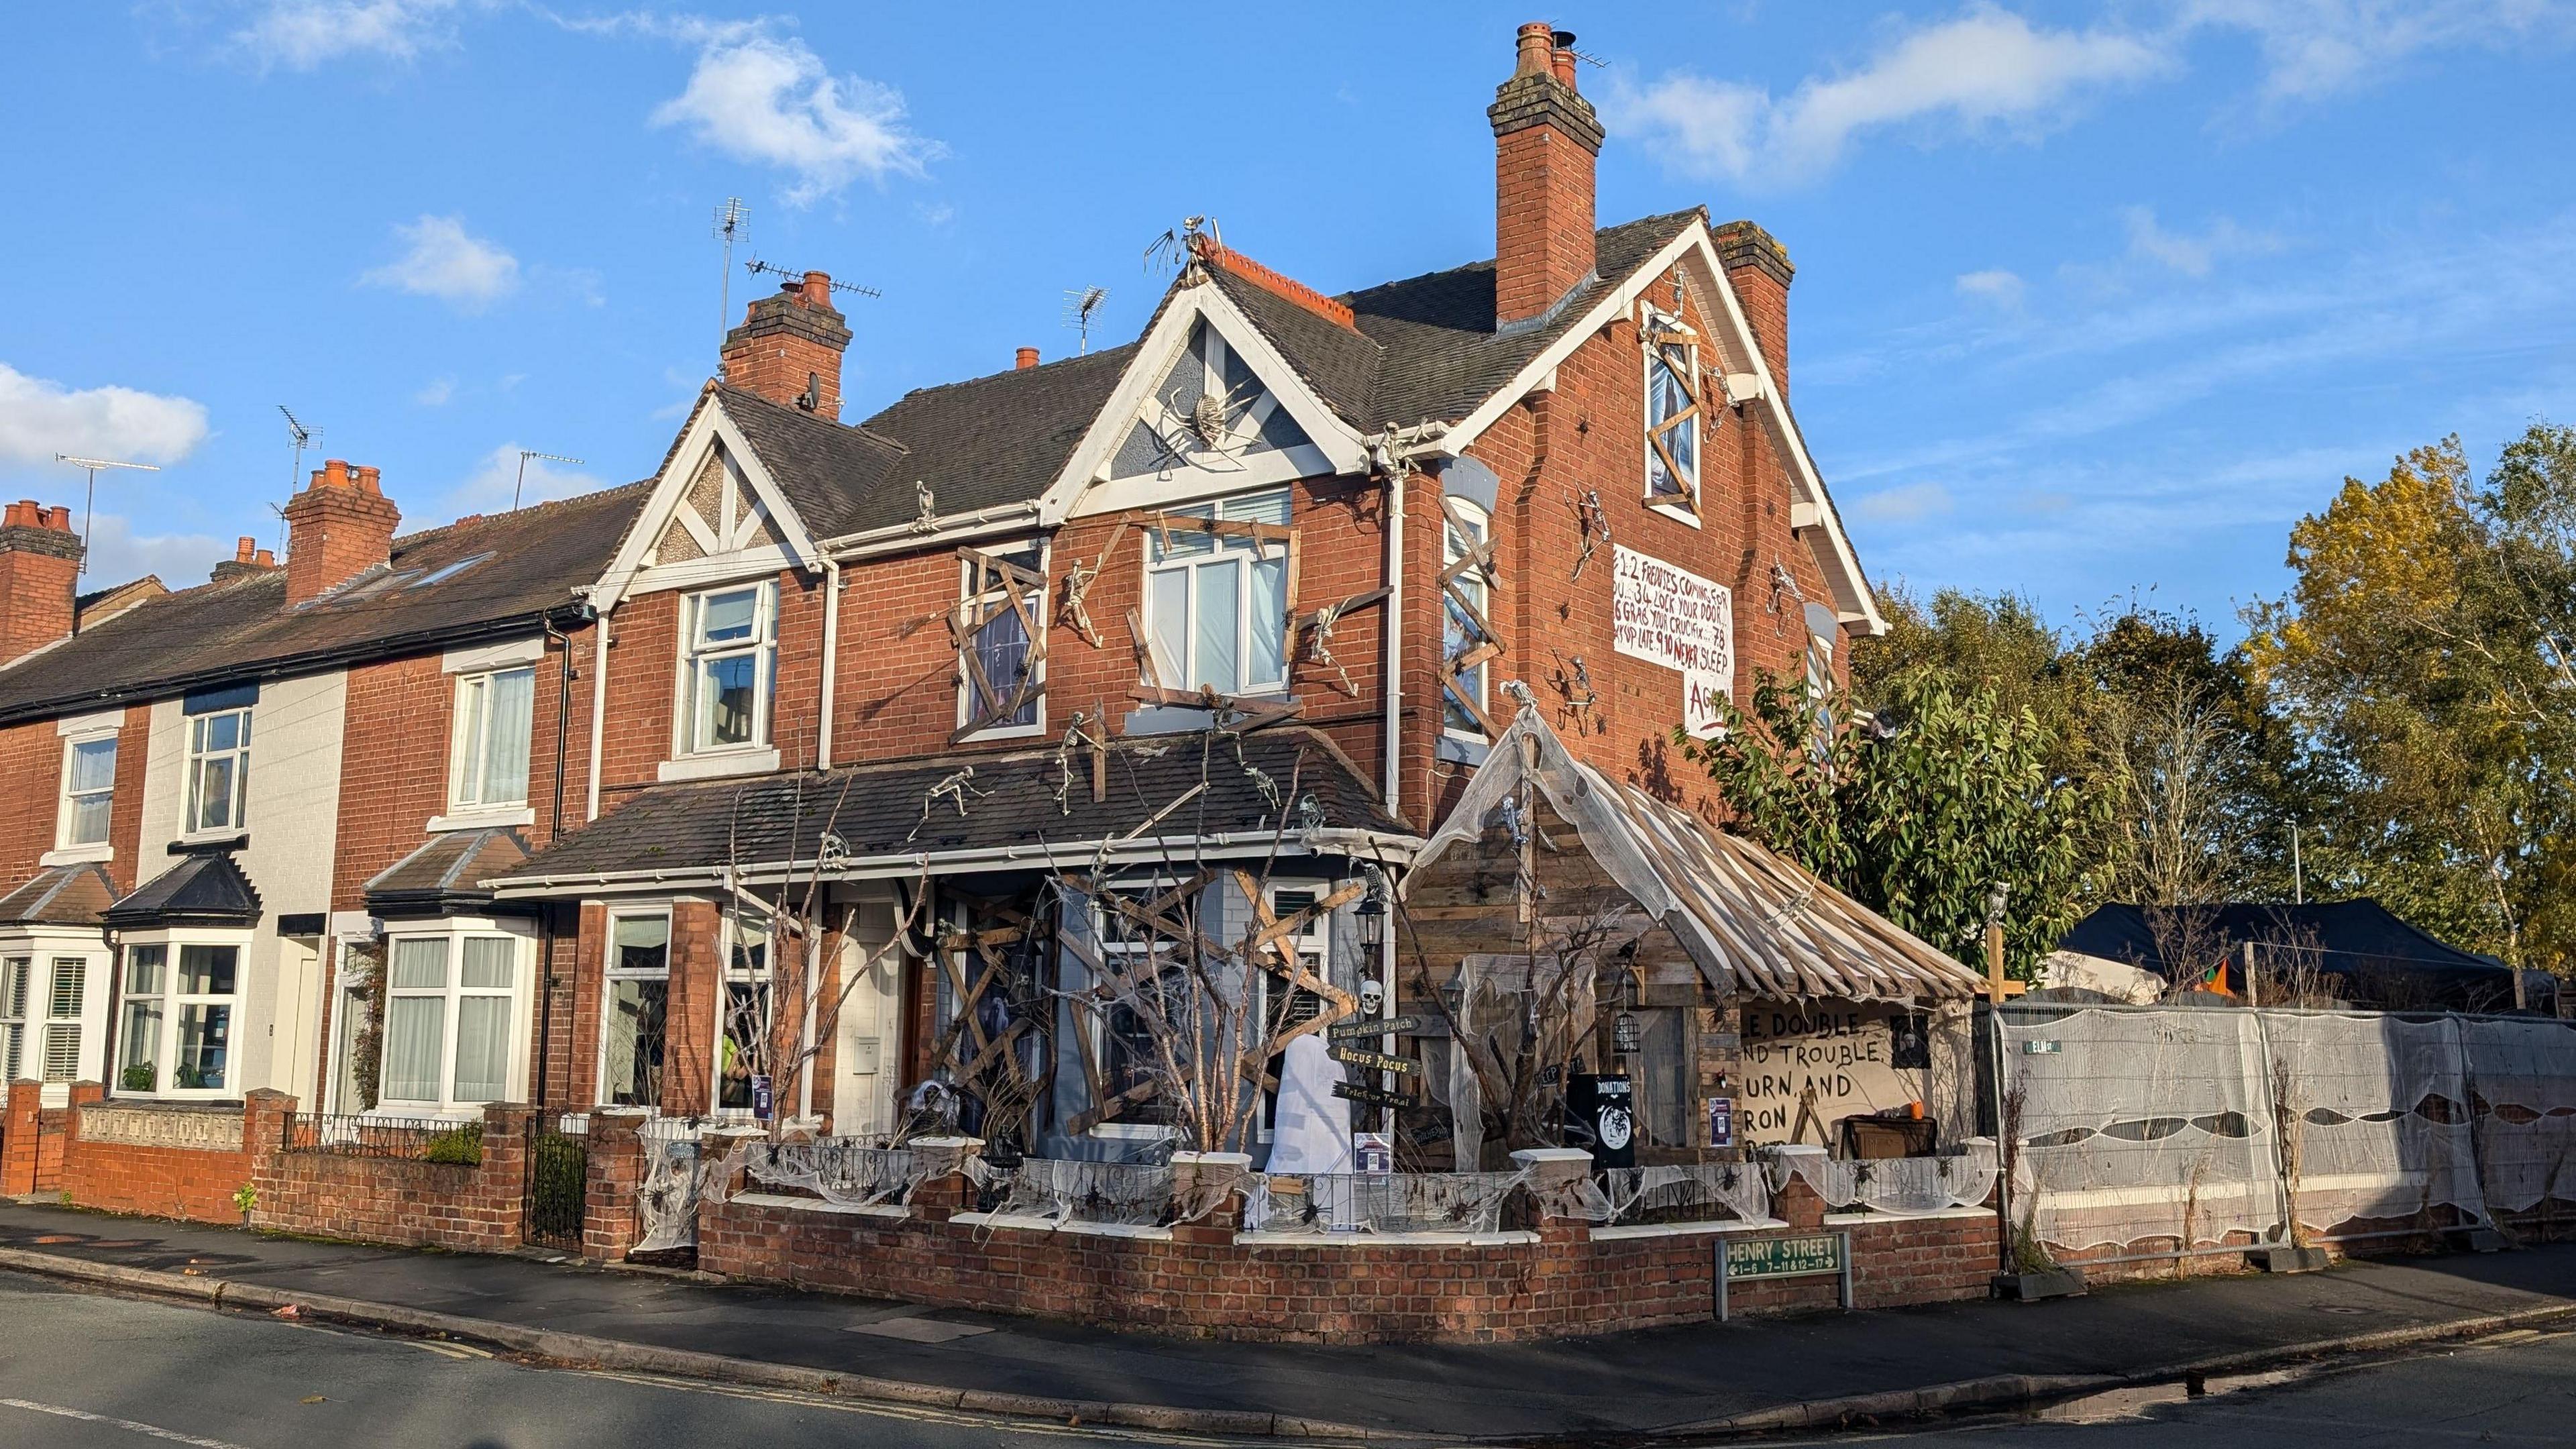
[1916, 810]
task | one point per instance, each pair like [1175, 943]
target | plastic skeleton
[1575, 683]
[928, 518]
[1596, 527]
[954, 787]
[1075, 737]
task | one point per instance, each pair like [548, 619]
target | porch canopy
[1755, 923]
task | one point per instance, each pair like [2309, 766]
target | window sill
[1462, 749]
[716, 766]
[1006, 732]
[217, 840]
[482, 819]
[1675, 512]
[78, 854]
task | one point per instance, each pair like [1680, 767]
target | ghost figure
[1312, 1129]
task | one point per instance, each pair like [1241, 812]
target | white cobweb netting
[2523, 1077]
[1692, 1193]
[2141, 1127]
[2374, 1116]
[1897, 1185]
[666, 1206]
[1398, 1202]
[842, 1171]
[1126, 1193]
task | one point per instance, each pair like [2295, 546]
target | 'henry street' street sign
[1807, 1257]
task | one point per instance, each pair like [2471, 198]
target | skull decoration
[1372, 999]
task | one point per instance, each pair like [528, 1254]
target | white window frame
[1313, 945]
[1036, 553]
[1109, 950]
[67, 850]
[763, 977]
[466, 792]
[610, 973]
[58, 1022]
[198, 757]
[762, 646]
[1231, 555]
[1685, 505]
[17, 1001]
[174, 1002]
[454, 932]
[1474, 584]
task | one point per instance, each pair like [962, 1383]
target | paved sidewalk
[1606, 1387]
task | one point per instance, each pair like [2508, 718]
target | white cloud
[490, 487]
[40, 417]
[2315, 48]
[758, 98]
[2191, 255]
[1995, 285]
[436, 393]
[1906, 503]
[303, 34]
[1986, 69]
[117, 554]
[464, 271]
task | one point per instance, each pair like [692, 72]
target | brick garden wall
[127, 1159]
[470, 1208]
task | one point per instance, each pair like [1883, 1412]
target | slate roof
[447, 871]
[1421, 349]
[205, 887]
[62, 895]
[878, 810]
[531, 561]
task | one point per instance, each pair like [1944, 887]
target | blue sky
[2092, 300]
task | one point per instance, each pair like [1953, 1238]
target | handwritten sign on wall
[1675, 618]
[1843, 1052]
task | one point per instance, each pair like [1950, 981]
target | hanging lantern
[1372, 916]
[1623, 1035]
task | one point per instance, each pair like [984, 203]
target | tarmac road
[84, 1371]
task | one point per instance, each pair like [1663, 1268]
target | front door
[867, 1054]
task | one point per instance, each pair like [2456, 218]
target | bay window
[218, 778]
[1216, 599]
[89, 791]
[175, 1036]
[638, 1000]
[16, 980]
[728, 668]
[488, 756]
[451, 1011]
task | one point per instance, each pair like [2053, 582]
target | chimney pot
[1028, 358]
[1561, 57]
[1537, 48]
[818, 289]
[265, 558]
[244, 548]
[61, 518]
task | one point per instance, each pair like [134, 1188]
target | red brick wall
[125, 815]
[31, 778]
[36, 585]
[1568, 1282]
[393, 768]
[169, 1182]
[408, 1203]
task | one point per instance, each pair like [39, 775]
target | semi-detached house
[518, 808]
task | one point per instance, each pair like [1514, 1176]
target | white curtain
[482, 1048]
[505, 740]
[413, 1027]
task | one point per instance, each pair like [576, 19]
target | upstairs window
[1672, 412]
[1216, 595]
[490, 750]
[1466, 632]
[730, 665]
[218, 770]
[89, 790]
[1000, 629]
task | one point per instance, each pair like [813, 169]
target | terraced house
[841, 755]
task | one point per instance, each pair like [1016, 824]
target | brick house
[754, 786]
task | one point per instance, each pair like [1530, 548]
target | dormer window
[1672, 412]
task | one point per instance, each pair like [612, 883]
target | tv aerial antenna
[303, 438]
[524, 455]
[89, 501]
[1078, 308]
[765, 269]
[733, 224]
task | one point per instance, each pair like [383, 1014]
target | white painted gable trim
[1744, 357]
[1075, 490]
[628, 574]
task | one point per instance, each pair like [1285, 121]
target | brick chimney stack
[788, 348]
[1757, 266]
[248, 559]
[339, 526]
[1545, 141]
[40, 560]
